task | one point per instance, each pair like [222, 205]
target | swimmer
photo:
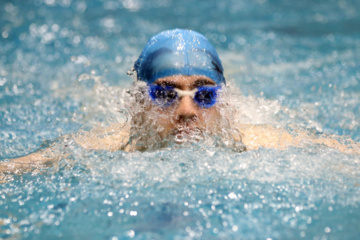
[178, 97]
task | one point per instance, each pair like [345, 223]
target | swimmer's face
[184, 115]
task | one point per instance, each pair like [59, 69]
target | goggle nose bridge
[183, 93]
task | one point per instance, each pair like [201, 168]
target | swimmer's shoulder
[268, 136]
[112, 138]
[263, 135]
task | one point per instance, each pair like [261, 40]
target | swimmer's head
[184, 78]
[178, 52]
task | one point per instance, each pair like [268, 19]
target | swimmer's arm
[36, 160]
[255, 136]
[351, 147]
[112, 138]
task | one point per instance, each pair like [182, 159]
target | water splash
[289, 71]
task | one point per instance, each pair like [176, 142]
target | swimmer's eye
[206, 96]
[162, 95]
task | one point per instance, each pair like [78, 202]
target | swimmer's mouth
[186, 130]
[187, 134]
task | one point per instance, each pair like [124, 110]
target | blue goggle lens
[204, 96]
[162, 95]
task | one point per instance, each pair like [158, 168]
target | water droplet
[131, 233]
[235, 228]
[5, 34]
[232, 195]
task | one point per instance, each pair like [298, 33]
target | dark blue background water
[304, 54]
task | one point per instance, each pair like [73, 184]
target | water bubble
[83, 77]
[42, 29]
[48, 38]
[131, 233]
[5, 34]
[65, 3]
[232, 195]
[2, 81]
[76, 40]
[319, 17]
[81, 59]
[55, 28]
[108, 22]
[132, 5]
[81, 6]
[222, 38]
[50, 2]
[118, 59]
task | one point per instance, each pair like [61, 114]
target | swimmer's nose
[186, 110]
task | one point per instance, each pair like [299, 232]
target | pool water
[63, 67]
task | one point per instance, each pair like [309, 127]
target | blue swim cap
[178, 52]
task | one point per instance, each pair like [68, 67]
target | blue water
[63, 64]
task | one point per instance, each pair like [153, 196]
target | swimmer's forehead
[180, 81]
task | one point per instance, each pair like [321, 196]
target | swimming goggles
[204, 96]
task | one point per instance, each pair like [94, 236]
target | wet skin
[184, 116]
